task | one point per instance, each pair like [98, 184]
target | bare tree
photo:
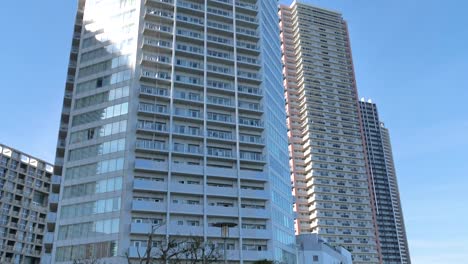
[187, 250]
[265, 261]
[200, 251]
[88, 261]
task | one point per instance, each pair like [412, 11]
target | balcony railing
[252, 156]
[153, 91]
[152, 145]
[250, 122]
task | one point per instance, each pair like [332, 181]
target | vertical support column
[171, 122]
[236, 102]
[205, 127]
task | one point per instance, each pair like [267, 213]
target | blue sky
[411, 58]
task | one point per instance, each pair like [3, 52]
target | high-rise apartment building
[327, 157]
[63, 132]
[25, 184]
[389, 215]
[174, 121]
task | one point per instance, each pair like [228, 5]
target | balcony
[221, 86]
[150, 165]
[156, 60]
[187, 169]
[232, 254]
[248, 90]
[220, 102]
[254, 213]
[156, 14]
[192, 97]
[250, 107]
[49, 238]
[58, 161]
[151, 76]
[252, 156]
[257, 233]
[220, 136]
[251, 77]
[154, 92]
[46, 258]
[251, 34]
[190, 209]
[190, 21]
[194, 36]
[253, 175]
[145, 229]
[183, 230]
[224, 172]
[226, 16]
[252, 123]
[218, 56]
[187, 188]
[146, 185]
[148, 206]
[157, 30]
[61, 144]
[247, 47]
[220, 28]
[252, 63]
[151, 145]
[154, 45]
[63, 127]
[247, 20]
[190, 6]
[216, 232]
[190, 50]
[137, 252]
[152, 127]
[223, 211]
[53, 198]
[247, 7]
[249, 139]
[152, 109]
[255, 194]
[56, 180]
[51, 219]
[251, 255]
[188, 114]
[167, 2]
[220, 153]
[220, 118]
[221, 191]
[182, 131]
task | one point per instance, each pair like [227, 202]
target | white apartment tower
[175, 121]
[327, 157]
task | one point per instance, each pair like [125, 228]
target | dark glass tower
[389, 215]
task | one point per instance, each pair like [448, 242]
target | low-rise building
[313, 249]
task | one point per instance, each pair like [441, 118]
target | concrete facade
[313, 249]
[175, 120]
[25, 198]
[327, 157]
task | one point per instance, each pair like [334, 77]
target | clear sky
[411, 58]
